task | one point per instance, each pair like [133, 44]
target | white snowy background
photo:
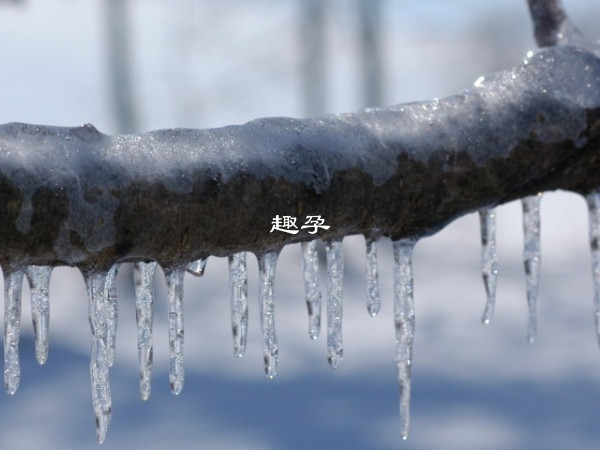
[209, 63]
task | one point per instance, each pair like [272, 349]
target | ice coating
[98, 312]
[238, 285]
[143, 277]
[197, 267]
[174, 277]
[489, 260]
[39, 284]
[593, 202]
[113, 312]
[267, 265]
[372, 275]
[13, 284]
[532, 258]
[335, 312]
[312, 290]
[404, 321]
[86, 185]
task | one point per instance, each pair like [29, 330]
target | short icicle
[267, 265]
[335, 275]
[593, 201]
[98, 315]
[404, 320]
[13, 284]
[532, 258]
[238, 284]
[489, 260]
[39, 283]
[312, 291]
[372, 275]
[143, 277]
[174, 278]
[197, 267]
[113, 313]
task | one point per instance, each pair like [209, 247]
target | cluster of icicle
[102, 306]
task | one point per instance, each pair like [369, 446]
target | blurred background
[132, 66]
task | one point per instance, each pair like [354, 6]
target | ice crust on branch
[75, 196]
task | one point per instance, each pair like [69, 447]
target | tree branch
[551, 24]
[75, 196]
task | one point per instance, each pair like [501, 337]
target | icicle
[532, 258]
[238, 283]
[404, 319]
[267, 264]
[98, 312]
[39, 283]
[335, 274]
[593, 201]
[372, 274]
[197, 267]
[174, 278]
[489, 260]
[111, 303]
[143, 276]
[312, 291]
[13, 283]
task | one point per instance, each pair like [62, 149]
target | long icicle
[593, 201]
[143, 277]
[238, 285]
[489, 260]
[267, 265]
[39, 284]
[113, 313]
[335, 275]
[312, 290]
[98, 312]
[372, 275]
[532, 258]
[13, 284]
[404, 321]
[174, 278]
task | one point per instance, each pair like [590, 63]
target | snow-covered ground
[214, 62]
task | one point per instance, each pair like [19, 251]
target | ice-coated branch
[78, 197]
[551, 24]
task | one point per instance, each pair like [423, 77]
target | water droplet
[197, 267]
